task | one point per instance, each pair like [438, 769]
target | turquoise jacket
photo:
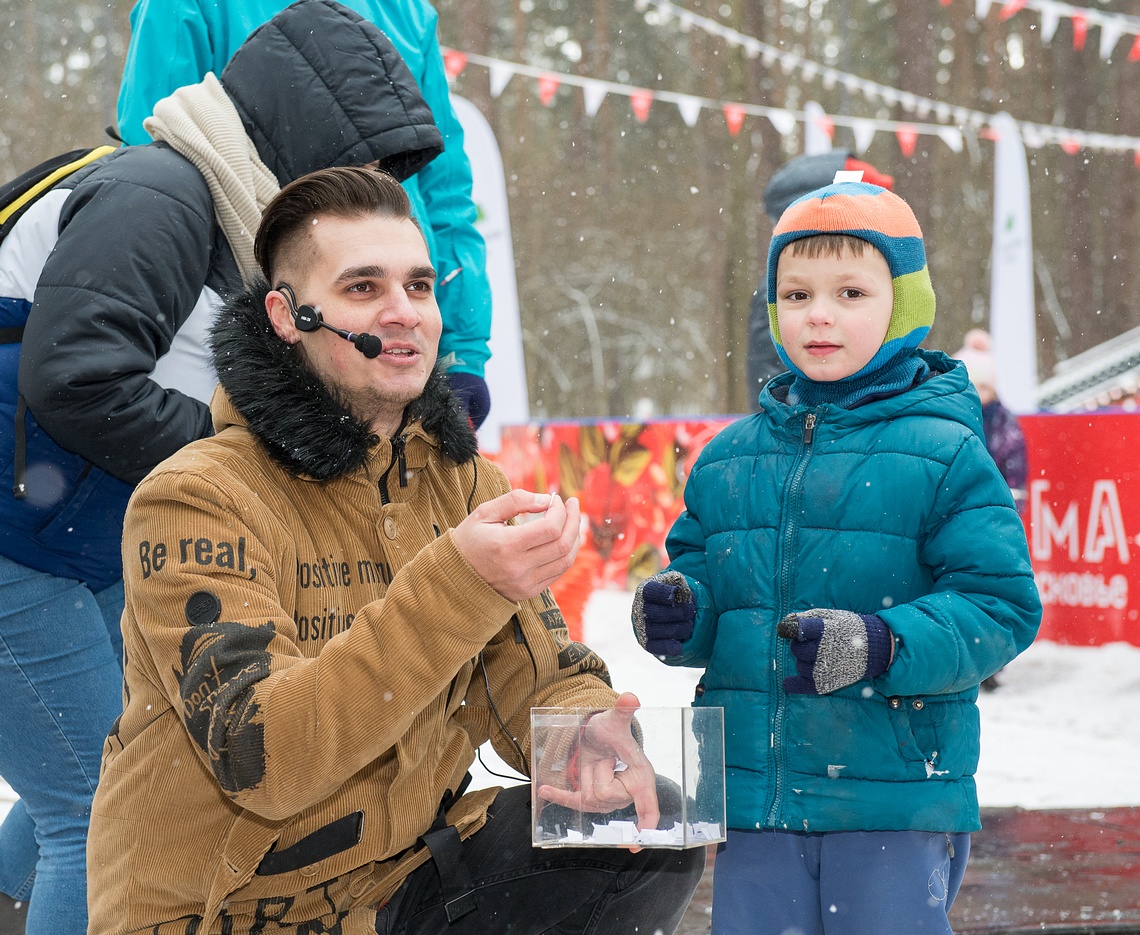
[893, 508]
[175, 42]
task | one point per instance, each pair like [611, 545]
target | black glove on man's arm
[663, 613]
[835, 648]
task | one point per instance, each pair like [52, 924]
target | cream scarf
[201, 123]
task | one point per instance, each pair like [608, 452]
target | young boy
[848, 569]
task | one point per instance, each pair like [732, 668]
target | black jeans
[519, 889]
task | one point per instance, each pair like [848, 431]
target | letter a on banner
[1013, 324]
[505, 373]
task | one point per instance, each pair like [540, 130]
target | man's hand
[613, 770]
[520, 561]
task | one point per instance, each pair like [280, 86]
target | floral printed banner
[628, 477]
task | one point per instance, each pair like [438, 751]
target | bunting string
[785, 120]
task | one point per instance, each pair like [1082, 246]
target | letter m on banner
[1047, 531]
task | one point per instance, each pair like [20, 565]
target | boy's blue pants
[837, 883]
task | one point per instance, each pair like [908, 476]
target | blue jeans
[61, 681]
[837, 883]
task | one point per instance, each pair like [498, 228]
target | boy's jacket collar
[301, 422]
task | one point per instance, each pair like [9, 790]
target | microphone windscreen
[369, 345]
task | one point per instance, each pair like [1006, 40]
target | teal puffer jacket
[896, 509]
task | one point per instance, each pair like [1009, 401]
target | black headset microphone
[307, 318]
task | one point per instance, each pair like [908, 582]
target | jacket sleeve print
[204, 577]
[983, 608]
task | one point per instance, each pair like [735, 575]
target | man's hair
[831, 245]
[343, 192]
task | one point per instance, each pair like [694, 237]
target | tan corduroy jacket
[304, 684]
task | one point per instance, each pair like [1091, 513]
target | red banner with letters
[1082, 520]
[1083, 524]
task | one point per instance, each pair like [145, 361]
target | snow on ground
[1062, 731]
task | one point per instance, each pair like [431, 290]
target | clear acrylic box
[685, 747]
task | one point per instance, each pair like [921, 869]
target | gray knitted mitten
[835, 648]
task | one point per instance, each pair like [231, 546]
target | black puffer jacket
[114, 365]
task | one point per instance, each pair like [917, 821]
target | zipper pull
[809, 427]
[399, 442]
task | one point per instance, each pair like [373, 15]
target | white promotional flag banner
[505, 373]
[1013, 326]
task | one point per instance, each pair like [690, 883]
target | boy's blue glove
[663, 613]
[835, 648]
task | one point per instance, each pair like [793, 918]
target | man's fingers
[510, 505]
[626, 705]
[561, 796]
[643, 791]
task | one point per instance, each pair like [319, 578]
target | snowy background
[1062, 731]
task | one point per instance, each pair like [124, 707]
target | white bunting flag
[952, 137]
[1110, 33]
[594, 92]
[864, 131]
[500, 76]
[690, 108]
[783, 121]
[1050, 17]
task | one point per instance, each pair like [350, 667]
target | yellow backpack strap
[48, 181]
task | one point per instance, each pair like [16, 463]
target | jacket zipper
[399, 443]
[806, 439]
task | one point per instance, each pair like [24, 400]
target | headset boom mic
[368, 344]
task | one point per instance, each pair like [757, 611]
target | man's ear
[280, 314]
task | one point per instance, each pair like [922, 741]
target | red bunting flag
[454, 62]
[547, 87]
[641, 100]
[907, 137]
[945, 2]
[1010, 8]
[1136, 159]
[827, 125]
[1080, 30]
[1071, 146]
[1134, 52]
[734, 117]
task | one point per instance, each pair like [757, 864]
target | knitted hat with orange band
[885, 221]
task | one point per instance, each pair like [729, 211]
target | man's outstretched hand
[613, 770]
[520, 561]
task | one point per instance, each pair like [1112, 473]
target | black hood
[303, 424]
[319, 86]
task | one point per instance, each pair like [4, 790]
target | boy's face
[833, 311]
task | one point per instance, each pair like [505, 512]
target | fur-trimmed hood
[303, 424]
